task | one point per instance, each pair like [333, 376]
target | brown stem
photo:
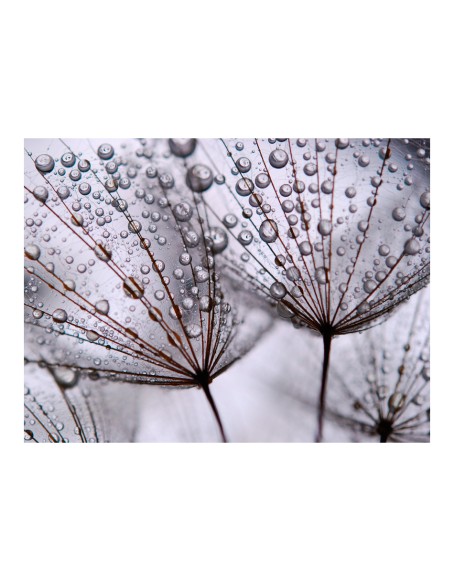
[215, 411]
[327, 337]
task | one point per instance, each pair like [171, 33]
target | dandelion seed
[306, 215]
[140, 310]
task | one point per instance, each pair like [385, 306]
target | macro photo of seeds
[227, 290]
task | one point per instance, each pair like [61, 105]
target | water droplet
[134, 226]
[218, 239]
[425, 200]
[193, 330]
[268, 231]
[182, 211]
[327, 186]
[398, 213]
[342, 143]
[305, 248]
[66, 377]
[310, 169]
[32, 252]
[63, 192]
[384, 250]
[262, 180]
[412, 247]
[244, 187]
[245, 237]
[321, 276]
[363, 161]
[199, 178]
[102, 252]
[44, 163]
[396, 401]
[59, 316]
[325, 227]
[182, 147]
[84, 188]
[84, 165]
[133, 288]
[278, 290]
[278, 158]
[92, 335]
[40, 193]
[350, 192]
[68, 159]
[105, 151]
[230, 220]
[102, 306]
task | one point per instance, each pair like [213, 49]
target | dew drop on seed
[199, 178]
[40, 193]
[182, 211]
[262, 180]
[325, 227]
[310, 169]
[424, 200]
[244, 187]
[219, 239]
[92, 335]
[102, 306]
[278, 158]
[185, 259]
[68, 159]
[305, 248]
[342, 143]
[32, 252]
[411, 247]
[398, 213]
[327, 186]
[320, 276]
[193, 330]
[230, 220]
[182, 147]
[66, 377]
[59, 316]
[396, 401]
[84, 165]
[63, 192]
[268, 231]
[278, 290]
[84, 188]
[105, 151]
[44, 163]
[245, 237]
[102, 253]
[133, 288]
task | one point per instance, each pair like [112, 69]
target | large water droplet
[133, 288]
[199, 178]
[268, 231]
[44, 163]
[59, 316]
[105, 151]
[102, 306]
[278, 158]
[182, 147]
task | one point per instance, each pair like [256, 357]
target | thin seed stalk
[327, 338]
[215, 411]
